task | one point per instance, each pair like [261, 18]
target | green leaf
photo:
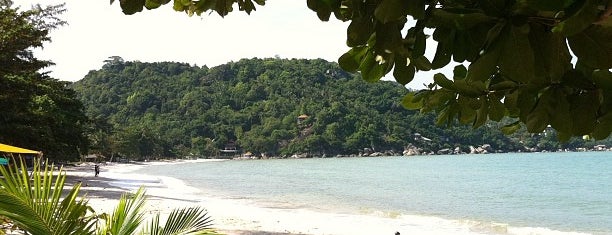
[470, 89]
[443, 82]
[461, 46]
[459, 72]
[539, 118]
[322, 7]
[438, 98]
[493, 34]
[371, 69]
[419, 44]
[152, 4]
[549, 5]
[583, 108]
[517, 61]
[526, 100]
[444, 116]
[388, 39]
[359, 31]
[422, 63]
[469, 102]
[561, 118]
[497, 111]
[442, 56]
[503, 85]
[537, 121]
[459, 20]
[511, 128]
[574, 78]
[552, 57]
[587, 13]
[603, 79]
[403, 72]
[511, 103]
[351, 60]
[493, 7]
[410, 103]
[603, 127]
[37, 201]
[391, 10]
[223, 7]
[130, 7]
[246, 5]
[563, 136]
[481, 114]
[468, 106]
[178, 6]
[593, 46]
[484, 67]
[416, 8]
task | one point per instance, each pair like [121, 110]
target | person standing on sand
[96, 170]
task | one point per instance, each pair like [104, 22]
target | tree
[519, 62]
[37, 110]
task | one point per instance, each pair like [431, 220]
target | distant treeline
[277, 107]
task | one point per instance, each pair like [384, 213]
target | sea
[562, 192]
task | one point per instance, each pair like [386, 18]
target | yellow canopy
[12, 149]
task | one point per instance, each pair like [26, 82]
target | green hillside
[277, 107]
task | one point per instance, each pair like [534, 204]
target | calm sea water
[561, 191]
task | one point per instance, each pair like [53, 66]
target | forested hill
[278, 107]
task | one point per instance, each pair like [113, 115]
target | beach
[236, 217]
[239, 216]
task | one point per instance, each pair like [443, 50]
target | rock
[376, 154]
[473, 150]
[444, 151]
[487, 147]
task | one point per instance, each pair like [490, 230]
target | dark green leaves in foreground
[516, 52]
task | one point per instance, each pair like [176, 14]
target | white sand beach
[243, 217]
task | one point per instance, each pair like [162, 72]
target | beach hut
[7, 151]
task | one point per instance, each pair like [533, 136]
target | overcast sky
[97, 30]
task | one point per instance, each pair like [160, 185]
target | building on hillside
[229, 151]
[301, 119]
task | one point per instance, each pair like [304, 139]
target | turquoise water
[560, 191]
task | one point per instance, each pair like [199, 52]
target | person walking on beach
[96, 170]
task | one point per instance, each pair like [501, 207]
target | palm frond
[36, 205]
[127, 216]
[193, 220]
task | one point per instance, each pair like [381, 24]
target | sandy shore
[238, 217]
[163, 195]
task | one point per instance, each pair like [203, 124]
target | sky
[97, 30]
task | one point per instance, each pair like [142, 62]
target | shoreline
[240, 217]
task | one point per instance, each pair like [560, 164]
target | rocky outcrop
[412, 150]
[483, 149]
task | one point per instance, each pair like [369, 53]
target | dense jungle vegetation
[144, 110]
[36, 111]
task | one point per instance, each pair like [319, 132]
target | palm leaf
[35, 204]
[186, 221]
[127, 216]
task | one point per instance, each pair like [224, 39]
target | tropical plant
[35, 202]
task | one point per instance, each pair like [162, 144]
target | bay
[569, 191]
